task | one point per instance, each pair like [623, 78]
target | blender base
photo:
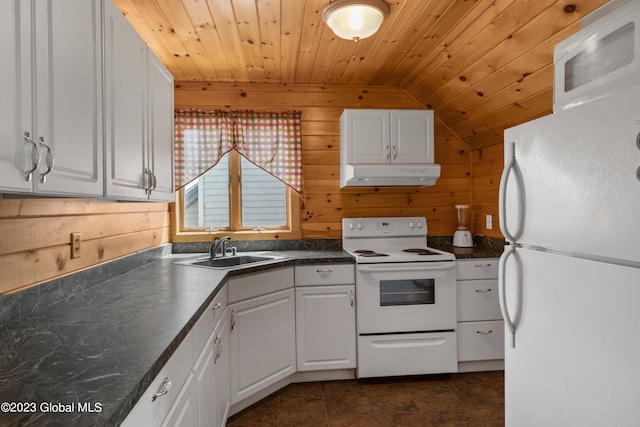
[462, 239]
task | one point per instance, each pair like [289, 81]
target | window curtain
[271, 141]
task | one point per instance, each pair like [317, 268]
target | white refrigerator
[570, 275]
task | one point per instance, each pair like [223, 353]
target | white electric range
[406, 298]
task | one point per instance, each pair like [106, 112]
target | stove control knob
[359, 226]
[350, 226]
[411, 225]
[419, 224]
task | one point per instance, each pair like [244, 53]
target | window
[252, 191]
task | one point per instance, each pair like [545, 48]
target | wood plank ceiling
[482, 65]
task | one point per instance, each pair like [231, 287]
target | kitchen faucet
[220, 243]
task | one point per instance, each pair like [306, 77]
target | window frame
[291, 231]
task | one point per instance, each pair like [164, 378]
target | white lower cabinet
[183, 413]
[480, 324]
[263, 340]
[325, 317]
[211, 376]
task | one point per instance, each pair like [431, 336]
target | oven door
[406, 297]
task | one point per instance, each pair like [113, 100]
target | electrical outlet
[75, 245]
[489, 222]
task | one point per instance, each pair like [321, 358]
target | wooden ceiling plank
[248, 28]
[200, 16]
[373, 61]
[312, 34]
[161, 45]
[225, 24]
[270, 41]
[515, 57]
[292, 17]
[411, 44]
[426, 75]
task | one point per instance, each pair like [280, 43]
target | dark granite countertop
[106, 343]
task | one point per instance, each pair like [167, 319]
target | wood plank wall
[36, 236]
[325, 204]
[487, 166]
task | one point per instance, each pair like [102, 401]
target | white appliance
[601, 58]
[406, 298]
[570, 275]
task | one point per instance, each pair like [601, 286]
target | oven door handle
[396, 268]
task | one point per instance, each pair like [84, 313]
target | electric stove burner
[420, 251]
[368, 253]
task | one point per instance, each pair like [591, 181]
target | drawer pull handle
[483, 290]
[351, 297]
[164, 389]
[326, 270]
[216, 306]
[483, 265]
[485, 332]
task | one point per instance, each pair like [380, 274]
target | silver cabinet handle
[395, 152]
[218, 349]
[326, 270]
[49, 159]
[352, 298]
[148, 182]
[484, 332]
[35, 156]
[216, 306]
[511, 168]
[483, 290]
[387, 152]
[154, 181]
[233, 320]
[482, 265]
[164, 389]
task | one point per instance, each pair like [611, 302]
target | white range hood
[387, 148]
[389, 175]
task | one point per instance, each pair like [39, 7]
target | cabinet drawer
[150, 411]
[478, 300]
[480, 341]
[204, 326]
[325, 274]
[253, 285]
[478, 268]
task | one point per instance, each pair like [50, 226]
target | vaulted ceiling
[482, 65]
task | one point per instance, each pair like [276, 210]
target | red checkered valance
[271, 141]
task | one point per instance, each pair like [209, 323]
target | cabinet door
[412, 136]
[262, 342]
[161, 130]
[125, 103]
[183, 413]
[222, 372]
[68, 96]
[325, 327]
[364, 136]
[15, 102]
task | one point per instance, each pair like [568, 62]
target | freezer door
[576, 353]
[575, 181]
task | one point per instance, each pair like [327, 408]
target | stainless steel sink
[229, 261]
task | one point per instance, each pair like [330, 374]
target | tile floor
[464, 399]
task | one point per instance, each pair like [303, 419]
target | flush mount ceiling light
[355, 19]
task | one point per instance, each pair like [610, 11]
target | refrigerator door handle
[511, 168]
[509, 321]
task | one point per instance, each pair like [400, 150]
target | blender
[462, 237]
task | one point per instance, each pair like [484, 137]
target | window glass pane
[264, 200]
[206, 199]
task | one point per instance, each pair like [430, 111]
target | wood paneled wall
[487, 166]
[325, 204]
[36, 236]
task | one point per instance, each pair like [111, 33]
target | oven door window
[407, 292]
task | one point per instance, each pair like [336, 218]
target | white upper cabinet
[51, 121]
[139, 115]
[387, 136]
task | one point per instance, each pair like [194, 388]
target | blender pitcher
[462, 237]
